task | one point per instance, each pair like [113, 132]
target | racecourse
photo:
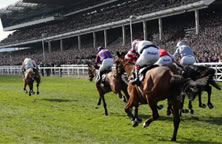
[66, 112]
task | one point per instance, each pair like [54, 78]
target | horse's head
[119, 61]
[123, 65]
[91, 72]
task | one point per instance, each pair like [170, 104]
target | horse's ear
[118, 54]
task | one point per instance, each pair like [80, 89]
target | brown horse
[30, 76]
[160, 83]
[112, 83]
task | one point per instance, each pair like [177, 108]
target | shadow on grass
[55, 100]
[189, 141]
[214, 120]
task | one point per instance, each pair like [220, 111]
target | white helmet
[180, 43]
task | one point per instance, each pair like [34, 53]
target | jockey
[147, 54]
[185, 52]
[165, 58]
[105, 57]
[29, 63]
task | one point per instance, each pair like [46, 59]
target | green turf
[65, 112]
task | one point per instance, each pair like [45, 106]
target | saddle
[103, 77]
[143, 71]
[27, 72]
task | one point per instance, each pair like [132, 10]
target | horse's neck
[129, 68]
[95, 71]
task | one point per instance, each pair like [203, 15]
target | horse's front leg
[137, 120]
[200, 101]
[31, 88]
[209, 90]
[190, 107]
[25, 87]
[37, 86]
[182, 110]
[128, 110]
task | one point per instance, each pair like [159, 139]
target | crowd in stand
[207, 44]
[94, 17]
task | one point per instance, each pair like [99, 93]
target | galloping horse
[31, 76]
[196, 72]
[159, 83]
[112, 83]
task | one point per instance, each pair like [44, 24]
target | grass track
[65, 112]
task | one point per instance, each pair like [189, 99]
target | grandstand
[68, 31]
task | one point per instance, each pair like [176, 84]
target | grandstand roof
[62, 2]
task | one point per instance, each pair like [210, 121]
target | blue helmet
[180, 43]
[100, 48]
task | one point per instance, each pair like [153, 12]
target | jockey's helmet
[180, 43]
[100, 48]
[134, 43]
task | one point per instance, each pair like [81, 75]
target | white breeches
[106, 64]
[187, 60]
[29, 66]
[164, 60]
[148, 57]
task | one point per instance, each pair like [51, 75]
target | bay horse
[112, 83]
[31, 75]
[160, 83]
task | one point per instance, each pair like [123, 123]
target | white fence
[64, 70]
[82, 70]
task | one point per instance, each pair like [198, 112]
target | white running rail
[82, 70]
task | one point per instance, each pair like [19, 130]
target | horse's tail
[177, 80]
[214, 84]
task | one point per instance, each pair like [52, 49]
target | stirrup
[135, 81]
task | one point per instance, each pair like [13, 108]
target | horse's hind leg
[155, 114]
[104, 103]
[176, 118]
[121, 97]
[25, 87]
[99, 101]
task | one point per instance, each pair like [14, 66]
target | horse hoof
[160, 107]
[168, 113]
[139, 120]
[210, 106]
[202, 105]
[173, 139]
[185, 111]
[135, 123]
[37, 93]
[191, 111]
[29, 94]
[144, 125]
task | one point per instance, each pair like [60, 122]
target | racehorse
[159, 83]
[197, 73]
[112, 83]
[30, 76]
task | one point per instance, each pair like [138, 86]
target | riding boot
[136, 78]
[99, 77]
